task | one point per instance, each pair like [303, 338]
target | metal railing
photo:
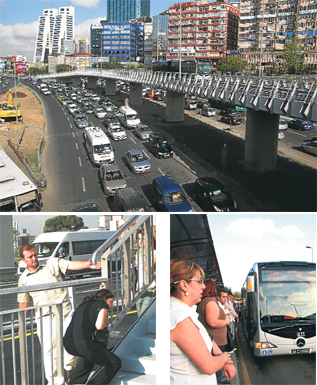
[128, 266]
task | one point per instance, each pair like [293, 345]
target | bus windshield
[287, 297]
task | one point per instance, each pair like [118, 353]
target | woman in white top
[194, 357]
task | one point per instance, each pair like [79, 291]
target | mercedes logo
[300, 342]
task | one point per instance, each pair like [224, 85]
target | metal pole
[16, 106]
[180, 39]
[261, 49]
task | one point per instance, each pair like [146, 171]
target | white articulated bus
[279, 308]
[69, 245]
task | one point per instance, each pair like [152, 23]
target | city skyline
[19, 21]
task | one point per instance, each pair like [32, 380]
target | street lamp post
[180, 39]
[312, 252]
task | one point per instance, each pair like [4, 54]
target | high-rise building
[121, 11]
[54, 25]
[160, 34]
[266, 25]
[95, 39]
[208, 30]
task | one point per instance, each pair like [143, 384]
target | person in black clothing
[91, 315]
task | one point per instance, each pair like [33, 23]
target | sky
[240, 240]
[19, 20]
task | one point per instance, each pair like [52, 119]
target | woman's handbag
[230, 342]
[101, 336]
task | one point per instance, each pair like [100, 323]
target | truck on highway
[17, 191]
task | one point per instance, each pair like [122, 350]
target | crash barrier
[126, 258]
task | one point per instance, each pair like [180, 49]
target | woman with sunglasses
[195, 358]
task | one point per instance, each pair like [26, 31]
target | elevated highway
[265, 98]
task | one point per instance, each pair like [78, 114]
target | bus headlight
[264, 345]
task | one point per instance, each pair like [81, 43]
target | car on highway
[160, 146]
[129, 200]
[100, 113]
[168, 196]
[208, 111]
[159, 97]
[107, 106]
[231, 120]
[116, 133]
[89, 109]
[190, 104]
[111, 120]
[280, 134]
[78, 112]
[137, 162]
[283, 125]
[81, 121]
[87, 207]
[142, 131]
[71, 107]
[64, 100]
[202, 103]
[111, 178]
[300, 124]
[310, 147]
[212, 195]
[227, 111]
[73, 96]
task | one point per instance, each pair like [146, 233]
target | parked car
[169, 196]
[129, 200]
[300, 124]
[212, 195]
[281, 135]
[159, 146]
[100, 113]
[283, 125]
[231, 120]
[207, 111]
[111, 178]
[81, 121]
[116, 133]
[142, 131]
[137, 162]
[309, 147]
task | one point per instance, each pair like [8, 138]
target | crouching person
[81, 339]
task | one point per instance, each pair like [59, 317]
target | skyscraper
[120, 11]
[54, 25]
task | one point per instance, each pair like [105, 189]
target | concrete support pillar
[92, 83]
[76, 81]
[261, 140]
[110, 89]
[7, 265]
[135, 96]
[174, 107]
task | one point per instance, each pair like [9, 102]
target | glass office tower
[121, 11]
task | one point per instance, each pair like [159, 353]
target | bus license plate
[300, 351]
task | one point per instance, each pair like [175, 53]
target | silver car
[100, 113]
[310, 147]
[142, 131]
[111, 178]
[137, 162]
[81, 121]
[283, 125]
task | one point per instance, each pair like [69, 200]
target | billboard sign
[99, 60]
[20, 67]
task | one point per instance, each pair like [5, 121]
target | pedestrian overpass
[265, 98]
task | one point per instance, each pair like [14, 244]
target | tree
[63, 223]
[231, 64]
[38, 70]
[293, 56]
[64, 68]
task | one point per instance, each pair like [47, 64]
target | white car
[283, 125]
[72, 107]
[46, 91]
[100, 113]
[117, 133]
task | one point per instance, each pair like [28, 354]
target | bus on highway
[278, 311]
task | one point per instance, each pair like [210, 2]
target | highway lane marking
[79, 161]
[76, 145]
[28, 334]
[132, 139]
[73, 134]
[83, 184]
[186, 156]
[297, 133]
[245, 373]
[161, 171]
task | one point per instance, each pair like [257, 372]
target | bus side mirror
[250, 284]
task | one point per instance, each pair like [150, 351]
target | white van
[129, 117]
[98, 146]
[69, 245]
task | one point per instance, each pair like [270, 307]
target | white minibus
[98, 146]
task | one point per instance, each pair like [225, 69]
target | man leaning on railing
[52, 271]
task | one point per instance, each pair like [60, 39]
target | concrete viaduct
[265, 98]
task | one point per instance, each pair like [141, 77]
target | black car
[231, 120]
[202, 104]
[87, 207]
[130, 200]
[212, 195]
[160, 146]
[227, 111]
[158, 97]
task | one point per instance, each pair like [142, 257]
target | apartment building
[265, 27]
[79, 60]
[208, 30]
